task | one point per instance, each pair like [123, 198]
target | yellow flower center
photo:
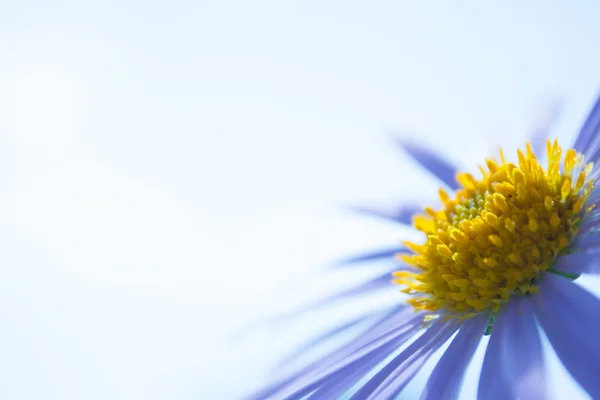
[498, 234]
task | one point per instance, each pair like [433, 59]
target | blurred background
[173, 172]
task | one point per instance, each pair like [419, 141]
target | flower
[498, 257]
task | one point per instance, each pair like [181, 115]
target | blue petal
[493, 382]
[595, 194]
[401, 316]
[346, 378]
[375, 255]
[300, 350]
[585, 139]
[319, 373]
[379, 282]
[524, 361]
[402, 214]
[569, 316]
[392, 378]
[440, 168]
[542, 127]
[590, 241]
[590, 222]
[448, 374]
[579, 263]
[380, 320]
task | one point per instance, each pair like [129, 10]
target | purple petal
[315, 375]
[524, 360]
[378, 283]
[589, 223]
[397, 315]
[542, 127]
[392, 379]
[493, 382]
[385, 323]
[375, 284]
[585, 142]
[439, 167]
[401, 316]
[571, 319]
[346, 378]
[448, 374]
[594, 198]
[590, 241]
[300, 350]
[579, 263]
[376, 255]
[402, 214]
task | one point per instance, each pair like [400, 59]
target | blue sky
[173, 171]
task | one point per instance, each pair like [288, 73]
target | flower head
[498, 256]
[495, 237]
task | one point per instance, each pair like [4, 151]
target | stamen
[495, 236]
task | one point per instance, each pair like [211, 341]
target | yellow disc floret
[498, 234]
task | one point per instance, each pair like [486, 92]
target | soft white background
[172, 171]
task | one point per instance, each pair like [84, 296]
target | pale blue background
[172, 171]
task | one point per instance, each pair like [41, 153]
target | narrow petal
[402, 316]
[392, 378]
[585, 142]
[378, 283]
[542, 127]
[595, 194]
[569, 316]
[448, 374]
[399, 317]
[317, 374]
[590, 241]
[377, 255]
[380, 320]
[493, 382]
[524, 360]
[590, 222]
[579, 263]
[346, 326]
[439, 167]
[402, 214]
[346, 378]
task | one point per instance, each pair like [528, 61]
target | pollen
[496, 236]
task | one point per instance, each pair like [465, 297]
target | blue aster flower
[499, 256]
